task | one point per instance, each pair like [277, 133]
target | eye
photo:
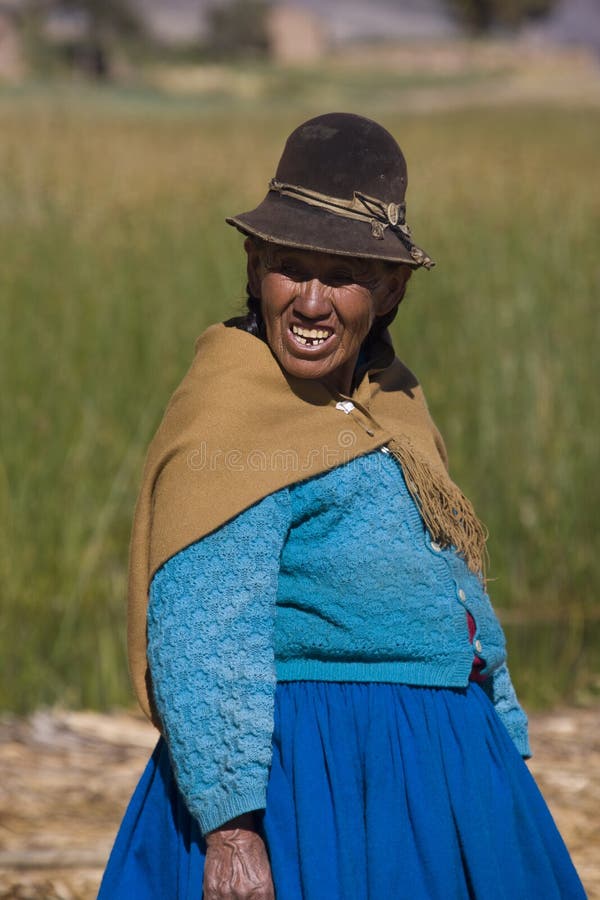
[292, 269]
[366, 274]
[341, 277]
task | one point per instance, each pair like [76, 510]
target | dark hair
[252, 321]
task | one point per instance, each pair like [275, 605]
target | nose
[312, 300]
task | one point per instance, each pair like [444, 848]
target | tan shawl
[239, 427]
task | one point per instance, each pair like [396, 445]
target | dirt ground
[65, 779]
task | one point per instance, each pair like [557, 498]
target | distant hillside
[344, 20]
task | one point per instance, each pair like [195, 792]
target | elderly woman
[308, 621]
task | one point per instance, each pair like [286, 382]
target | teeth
[315, 335]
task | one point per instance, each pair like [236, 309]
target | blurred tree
[103, 25]
[483, 15]
[238, 28]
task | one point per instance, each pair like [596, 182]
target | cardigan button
[478, 646]
[461, 595]
[435, 546]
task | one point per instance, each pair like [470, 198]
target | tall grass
[114, 256]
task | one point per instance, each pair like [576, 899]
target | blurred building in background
[297, 35]
[12, 56]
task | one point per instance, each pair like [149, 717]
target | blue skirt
[376, 790]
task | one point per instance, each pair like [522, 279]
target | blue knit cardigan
[334, 578]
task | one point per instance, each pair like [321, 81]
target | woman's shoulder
[260, 526]
[224, 346]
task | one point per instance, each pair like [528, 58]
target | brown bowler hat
[339, 188]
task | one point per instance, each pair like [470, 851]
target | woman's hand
[237, 865]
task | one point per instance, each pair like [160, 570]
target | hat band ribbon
[378, 213]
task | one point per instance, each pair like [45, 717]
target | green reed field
[114, 256]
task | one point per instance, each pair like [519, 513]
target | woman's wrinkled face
[319, 307]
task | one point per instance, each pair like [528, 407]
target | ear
[393, 289]
[254, 267]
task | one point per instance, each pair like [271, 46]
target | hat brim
[291, 223]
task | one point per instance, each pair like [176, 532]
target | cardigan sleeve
[210, 652]
[499, 688]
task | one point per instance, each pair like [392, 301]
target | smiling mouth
[310, 337]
